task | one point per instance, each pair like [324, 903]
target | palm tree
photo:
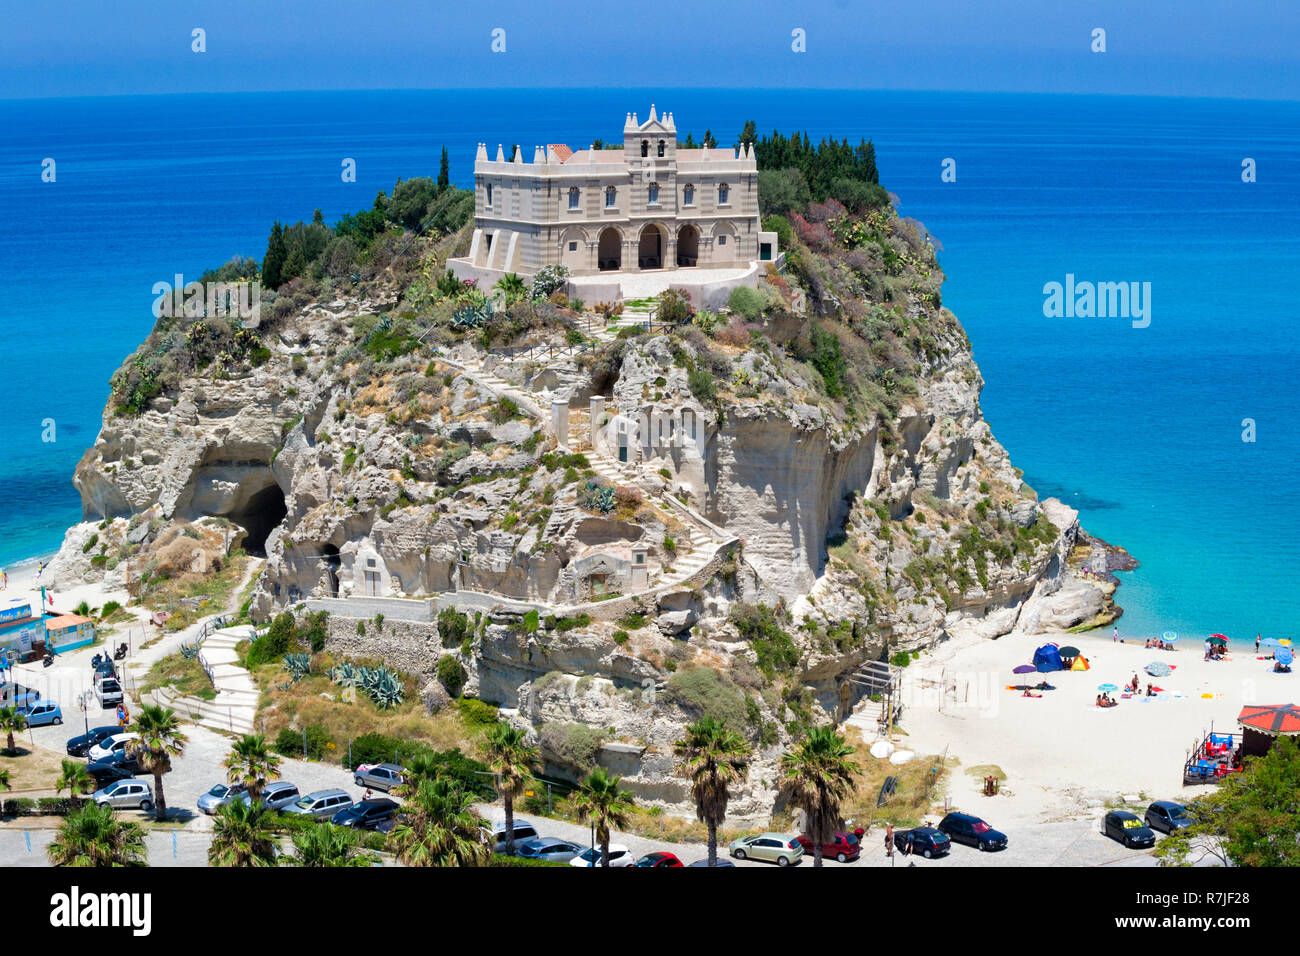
[4, 776]
[511, 287]
[11, 720]
[160, 739]
[251, 763]
[92, 836]
[75, 779]
[327, 846]
[510, 757]
[242, 835]
[599, 801]
[440, 827]
[816, 776]
[714, 757]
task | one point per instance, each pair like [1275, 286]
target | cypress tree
[444, 170]
[273, 262]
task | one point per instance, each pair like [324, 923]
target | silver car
[125, 793]
[220, 795]
[380, 776]
[277, 796]
[548, 848]
[322, 804]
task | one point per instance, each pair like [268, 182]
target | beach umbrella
[1069, 651]
[1283, 656]
[1159, 669]
[1218, 639]
[1025, 669]
[1169, 637]
[1107, 688]
[1269, 642]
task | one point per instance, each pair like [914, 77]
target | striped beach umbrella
[1107, 688]
[1169, 637]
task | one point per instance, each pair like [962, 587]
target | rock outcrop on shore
[841, 503]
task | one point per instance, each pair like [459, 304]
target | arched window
[688, 195]
[661, 147]
[652, 193]
[645, 147]
[611, 197]
[722, 194]
[489, 194]
[573, 197]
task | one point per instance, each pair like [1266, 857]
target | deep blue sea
[1140, 429]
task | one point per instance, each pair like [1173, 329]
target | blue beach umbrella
[1107, 688]
[1269, 642]
[1159, 669]
[1169, 637]
[1283, 656]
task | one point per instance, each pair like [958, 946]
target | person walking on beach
[1115, 636]
[889, 840]
[1256, 643]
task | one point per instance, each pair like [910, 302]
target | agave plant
[298, 666]
[345, 674]
[190, 650]
[472, 315]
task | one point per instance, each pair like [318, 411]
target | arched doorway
[650, 250]
[688, 246]
[610, 251]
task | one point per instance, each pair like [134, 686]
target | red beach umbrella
[1272, 718]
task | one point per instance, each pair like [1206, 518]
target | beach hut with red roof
[1264, 723]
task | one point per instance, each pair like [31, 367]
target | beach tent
[1080, 663]
[1047, 658]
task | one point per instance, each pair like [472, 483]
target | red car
[843, 848]
[661, 860]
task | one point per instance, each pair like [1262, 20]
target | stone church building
[645, 207]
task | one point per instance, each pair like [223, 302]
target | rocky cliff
[809, 485]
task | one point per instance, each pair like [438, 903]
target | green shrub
[532, 622]
[453, 627]
[290, 742]
[901, 659]
[760, 625]
[451, 673]
[706, 692]
[477, 713]
[746, 302]
[576, 745]
[621, 637]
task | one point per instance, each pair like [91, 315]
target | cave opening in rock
[260, 516]
[332, 561]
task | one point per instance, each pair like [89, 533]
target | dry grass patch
[185, 675]
[917, 783]
[36, 769]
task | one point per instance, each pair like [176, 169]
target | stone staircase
[234, 709]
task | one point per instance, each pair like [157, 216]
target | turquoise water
[1140, 429]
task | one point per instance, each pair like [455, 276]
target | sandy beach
[1065, 757]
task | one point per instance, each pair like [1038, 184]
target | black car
[923, 841]
[367, 814]
[1128, 829]
[104, 773]
[971, 830]
[80, 745]
[1167, 816]
[121, 760]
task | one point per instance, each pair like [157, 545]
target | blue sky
[1239, 48]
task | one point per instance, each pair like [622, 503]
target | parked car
[659, 861]
[105, 668]
[971, 830]
[843, 848]
[120, 759]
[495, 835]
[924, 841]
[277, 795]
[378, 776]
[108, 691]
[366, 814]
[721, 863]
[220, 795]
[321, 804]
[114, 743]
[42, 712]
[104, 772]
[1128, 829]
[548, 848]
[80, 745]
[1167, 816]
[125, 793]
[783, 849]
[619, 855]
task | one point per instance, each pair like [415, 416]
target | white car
[619, 855]
[111, 745]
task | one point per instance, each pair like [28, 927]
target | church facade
[647, 206]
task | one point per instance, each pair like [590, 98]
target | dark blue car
[971, 830]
